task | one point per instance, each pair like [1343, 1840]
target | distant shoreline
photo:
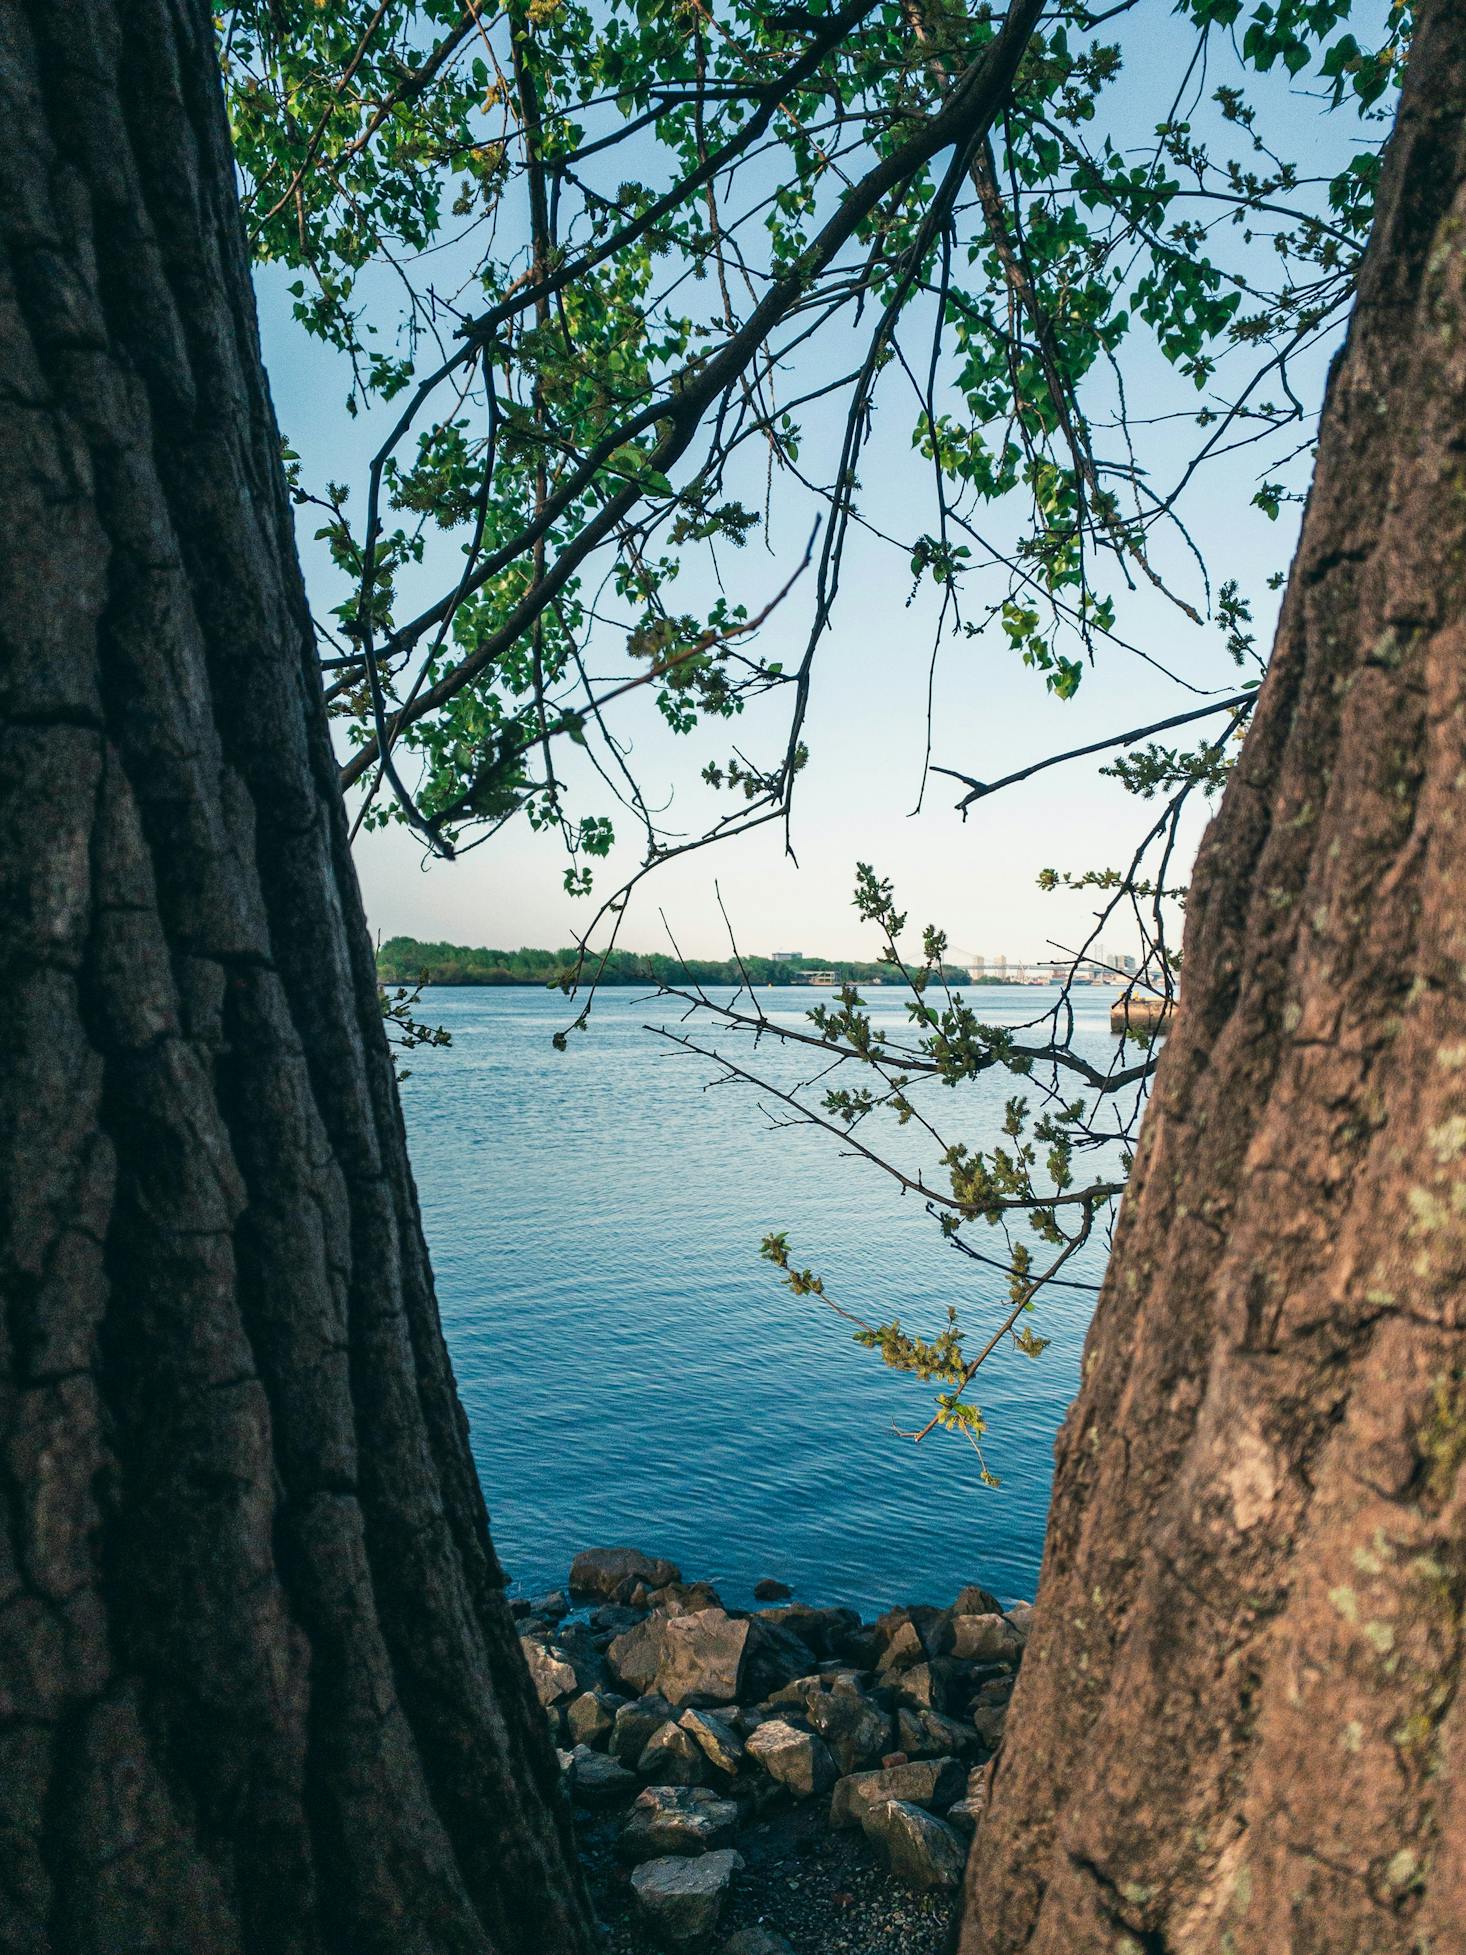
[410, 961]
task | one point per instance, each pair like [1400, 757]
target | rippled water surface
[633, 1372]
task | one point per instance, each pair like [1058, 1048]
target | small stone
[925, 1686]
[963, 1817]
[921, 1849]
[596, 1780]
[717, 1737]
[934, 1782]
[771, 1590]
[796, 1759]
[673, 1757]
[756, 1941]
[681, 1899]
[677, 1819]
[635, 1724]
[554, 1605]
[612, 1573]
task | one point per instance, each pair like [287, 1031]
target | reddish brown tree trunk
[259, 1689]
[1239, 1728]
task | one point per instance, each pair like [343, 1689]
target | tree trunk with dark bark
[1239, 1729]
[259, 1688]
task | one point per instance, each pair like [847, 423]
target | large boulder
[674, 1757]
[928, 1734]
[612, 1573]
[987, 1638]
[824, 1631]
[770, 1589]
[702, 1658]
[684, 1598]
[680, 1819]
[857, 1731]
[716, 1735]
[920, 1849]
[635, 1656]
[591, 1717]
[976, 1601]
[550, 1670]
[934, 1782]
[793, 1758]
[596, 1780]
[775, 1657]
[635, 1724]
[680, 1899]
[924, 1686]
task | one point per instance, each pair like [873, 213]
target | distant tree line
[407, 960]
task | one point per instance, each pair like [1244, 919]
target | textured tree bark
[259, 1689]
[1239, 1728]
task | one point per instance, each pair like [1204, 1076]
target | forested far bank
[407, 960]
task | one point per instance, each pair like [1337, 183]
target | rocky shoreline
[788, 1780]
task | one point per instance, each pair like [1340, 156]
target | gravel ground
[826, 1892]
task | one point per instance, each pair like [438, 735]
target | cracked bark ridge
[259, 1690]
[1238, 1729]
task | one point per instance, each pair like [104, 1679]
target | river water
[631, 1369]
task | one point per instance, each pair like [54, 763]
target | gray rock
[702, 1658]
[673, 1757]
[635, 1656]
[550, 1670]
[771, 1590]
[1020, 1616]
[980, 1639]
[612, 1573]
[612, 1619]
[677, 1819]
[904, 1649]
[796, 1759]
[684, 1598]
[857, 1731]
[963, 1817]
[928, 1734]
[591, 1716]
[635, 1724]
[553, 1606]
[934, 1782]
[920, 1849]
[924, 1686]
[976, 1601]
[776, 1656]
[988, 1720]
[680, 1899]
[756, 1941]
[822, 1630]
[717, 1737]
[596, 1780]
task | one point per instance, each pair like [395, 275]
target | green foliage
[593, 252]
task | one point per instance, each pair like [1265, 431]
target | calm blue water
[632, 1371]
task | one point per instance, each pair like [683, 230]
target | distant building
[819, 977]
[785, 956]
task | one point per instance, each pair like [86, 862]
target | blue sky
[867, 722]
